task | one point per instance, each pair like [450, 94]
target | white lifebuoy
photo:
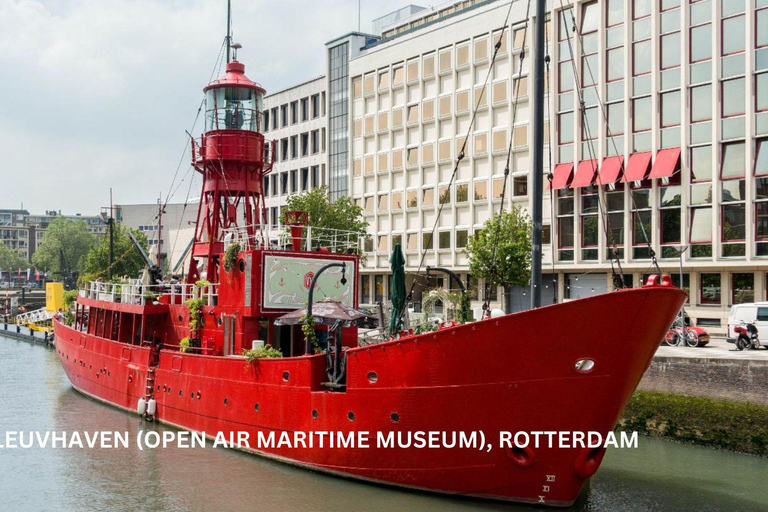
[141, 407]
[151, 407]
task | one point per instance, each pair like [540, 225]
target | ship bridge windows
[233, 108]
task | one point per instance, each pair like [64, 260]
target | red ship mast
[233, 158]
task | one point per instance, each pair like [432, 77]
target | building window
[742, 287]
[304, 144]
[444, 240]
[315, 106]
[642, 233]
[305, 109]
[462, 235]
[710, 288]
[669, 219]
[615, 206]
[589, 225]
[365, 289]
[733, 218]
[315, 142]
[761, 216]
[565, 229]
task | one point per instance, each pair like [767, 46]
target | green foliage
[184, 345]
[70, 296]
[67, 235]
[261, 352]
[127, 262]
[735, 426]
[341, 214]
[195, 307]
[308, 323]
[230, 256]
[464, 312]
[10, 259]
[512, 239]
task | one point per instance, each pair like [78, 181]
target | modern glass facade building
[659, 117]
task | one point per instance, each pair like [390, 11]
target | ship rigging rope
[549, 178]
[461, 154]
[587, 132]
[494, 267]
[604, 112]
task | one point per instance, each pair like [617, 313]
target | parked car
[694, 336]
[741, 315]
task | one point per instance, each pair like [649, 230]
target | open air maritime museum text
[271, 440]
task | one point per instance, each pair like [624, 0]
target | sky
[99, 94]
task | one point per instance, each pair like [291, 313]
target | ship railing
[134, 292]
[280, 237]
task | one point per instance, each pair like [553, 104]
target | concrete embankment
[19, 332]
[710, 398]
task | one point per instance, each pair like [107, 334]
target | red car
[694, 336]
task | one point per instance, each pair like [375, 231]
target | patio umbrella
[397, 294]
[327, 312]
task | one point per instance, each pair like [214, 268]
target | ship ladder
[149, 393]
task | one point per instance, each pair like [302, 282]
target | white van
[755, 313]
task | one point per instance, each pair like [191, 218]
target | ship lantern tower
[233, 157]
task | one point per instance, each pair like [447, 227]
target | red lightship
[555, 368]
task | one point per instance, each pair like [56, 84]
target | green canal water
[35, 395]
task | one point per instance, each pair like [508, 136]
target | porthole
[198, 395]
[180, 393]
[286, 376]
[242, 266]
[395, 417]
[181, 319]
[351, 416]
[372, 377]
[256, 407]
[314, 413]
[584, 365]
[226, 401]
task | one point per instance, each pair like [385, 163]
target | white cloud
[98, 93]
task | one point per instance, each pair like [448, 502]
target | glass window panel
[761, 32]
[701, 163]
[565, 77]
[733, 190]
[462, 55]
[734, 97]
[761, 220]
[670, 196]
[642, 114]
[641, 227]
[670, 109]
[730, 7]
[590, 17]
[761, 90]
[427, 241]
[734, 222]
[615, 36]
[761, 188]
[710, 288]
[701, 42]
[733, 160]
[429, 65]
[701, 193]
[445, 60]
[615, 12]
[444, 240]
[670, 50]
[670, 21]
[615, 64]
[701, 103]
[641, 58]
[565, 127]
[413, 71]
[481, 190]
[761, 158]
[701, 225]
[615, 119]
[641, 8]
[641, 29]
[481, 49]
[565, 231]
[701, 12]
[733, 34]
[670, 226]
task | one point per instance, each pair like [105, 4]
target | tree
[342, 214]
[10, 259]
[512, 239]
[127, 262]
[68, 236]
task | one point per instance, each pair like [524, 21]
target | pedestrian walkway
[717, 348]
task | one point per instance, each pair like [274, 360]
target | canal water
[35, 395]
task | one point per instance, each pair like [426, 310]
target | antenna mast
[229, 28]
[538, 151]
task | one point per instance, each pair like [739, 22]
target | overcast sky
[99, 93]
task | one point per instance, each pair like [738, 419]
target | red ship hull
[513, 373]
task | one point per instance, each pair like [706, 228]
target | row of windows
[409, 199]
[305, 144]
[295, 112]
[372, 287]
[291, 182]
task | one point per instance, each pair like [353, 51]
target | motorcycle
[747, 337]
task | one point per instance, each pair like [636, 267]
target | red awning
[667, 163]
[638, 167]
[610, 170]
[562, 176]
[585, 174]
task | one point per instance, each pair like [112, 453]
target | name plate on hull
[287, 280]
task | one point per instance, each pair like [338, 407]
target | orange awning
[610, 171]
[562, 176]
[667, 163]
[638, 167]
[585, 174]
